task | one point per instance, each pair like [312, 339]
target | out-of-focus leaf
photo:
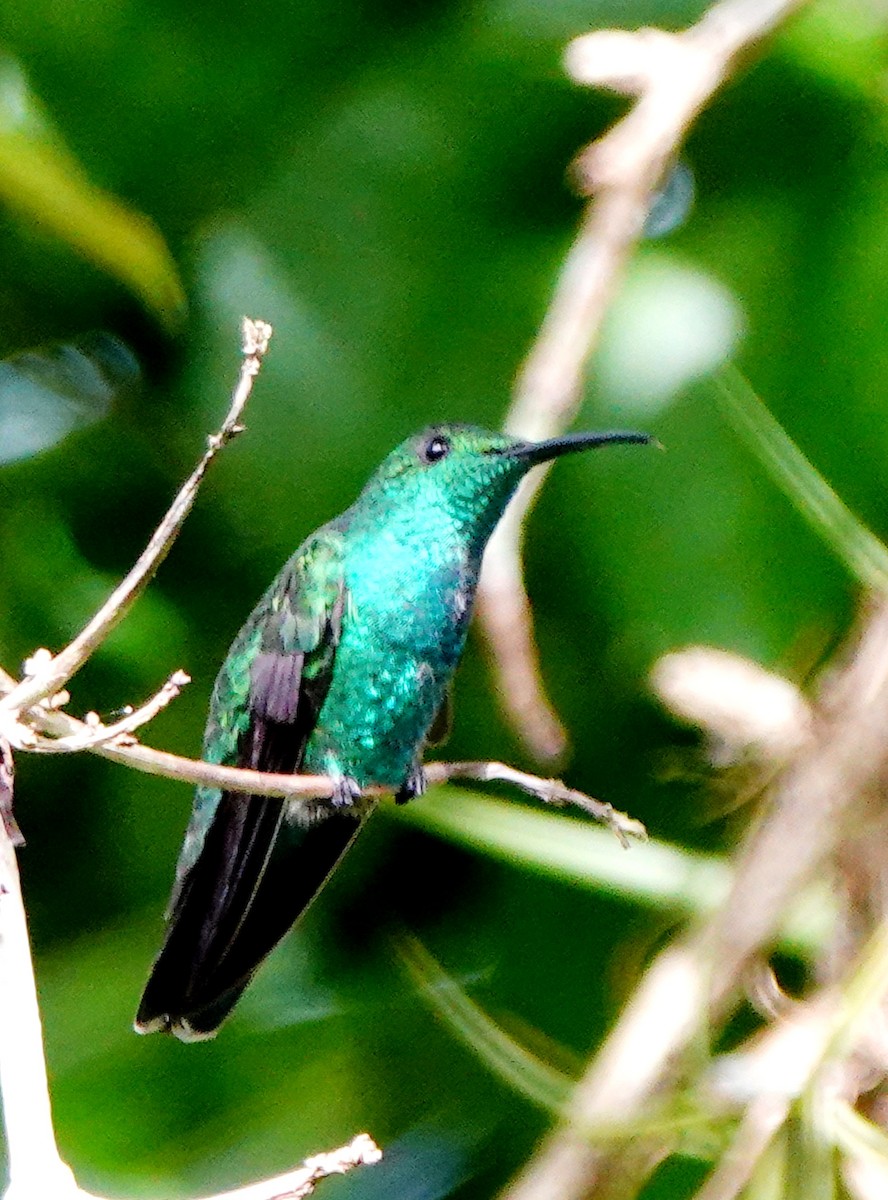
[538, 1081]
[671, 324]
[858, 1137]
[46, 394]
[843, 43]
[859, 549]
[42, 183]
[577, 852]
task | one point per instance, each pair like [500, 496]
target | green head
[463, 477]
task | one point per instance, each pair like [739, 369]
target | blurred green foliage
[386, 184]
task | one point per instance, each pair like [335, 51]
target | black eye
[435, 449]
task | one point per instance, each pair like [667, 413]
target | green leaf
[653, 872]
[48, 392]
[537, 1081]
[43, 184]
[857, 547]
[515, 1065]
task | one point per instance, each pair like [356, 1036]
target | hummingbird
[341, 670]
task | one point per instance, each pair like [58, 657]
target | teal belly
[403, 630]
[373, 722]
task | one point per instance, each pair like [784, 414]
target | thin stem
[550, 791]
[673, 75]
[57, 670]
[96, 734]
[361, 1151]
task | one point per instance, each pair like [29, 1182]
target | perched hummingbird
[340, 670]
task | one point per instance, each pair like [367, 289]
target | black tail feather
[255, 875]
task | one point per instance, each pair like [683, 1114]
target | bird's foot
[414, 785]
[346, 793]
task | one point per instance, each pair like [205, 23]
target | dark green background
[386, 184]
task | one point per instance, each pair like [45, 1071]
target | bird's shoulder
[297, 620]
[295, 613]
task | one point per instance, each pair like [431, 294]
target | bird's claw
[346, 792]
[415, 784]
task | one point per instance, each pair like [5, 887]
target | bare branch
[550, 791]
[72, 736]
[696, 981]
[55, 672]
[673, 76]
[120, 733]
[361, 1151]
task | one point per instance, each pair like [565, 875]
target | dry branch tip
[619, 60]
[256, 336]
[46, 674]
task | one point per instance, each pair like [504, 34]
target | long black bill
[537, 452]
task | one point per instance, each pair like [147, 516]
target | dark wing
[245, 873]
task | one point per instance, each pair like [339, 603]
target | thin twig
[96, 734]
[58, 669]
[673, 75]
[550, 791]
[79, 736]
[361, 1151]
